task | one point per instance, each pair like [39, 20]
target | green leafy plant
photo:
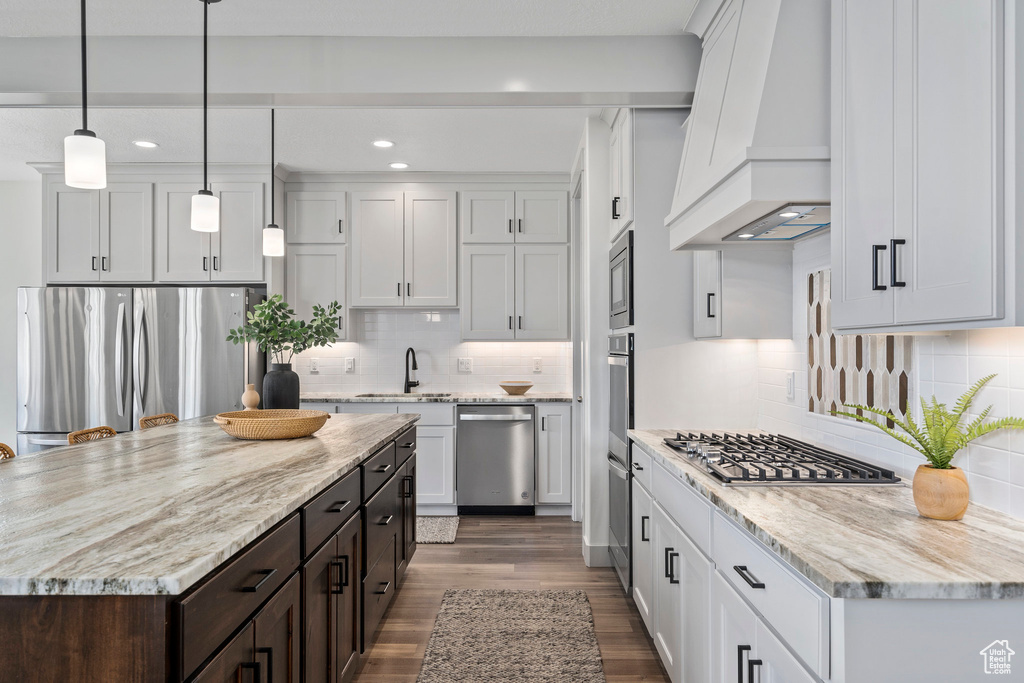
[273, 327]
[942, 435]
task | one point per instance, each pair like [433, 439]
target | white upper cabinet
[316, 275]
[521, 217]
[621, 164]
[431, 249]
[99, 236]
[182, 254]
[404, 249]
[378, 234]
[488, 292]
[315, 218]
[542, 292]
[921, 201]
[236, 249]
[743, 294]
[554, 454]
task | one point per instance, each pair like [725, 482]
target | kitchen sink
[409, 395]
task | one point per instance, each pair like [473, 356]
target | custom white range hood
[758, 135]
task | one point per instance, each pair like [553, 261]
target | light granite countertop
[865, 541]
[152, 512]
[455, 397]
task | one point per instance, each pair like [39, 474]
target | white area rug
[436, 529]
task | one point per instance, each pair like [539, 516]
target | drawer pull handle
[339, 506]
[751, 663]
[269, 652]
[672, 567]
[386, 520]
[740, 651]
[267, 573]
[383, 468]
[342, 565]
[386, 585]
[255, 666]
[638, 467]
[643, 528]
[411, 444]
[748, 577]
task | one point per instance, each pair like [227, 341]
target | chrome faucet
[410, 383]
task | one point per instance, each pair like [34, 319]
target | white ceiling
[315, 140]
[351, 17]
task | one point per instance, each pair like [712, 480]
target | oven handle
[618, 360]
[620, 471]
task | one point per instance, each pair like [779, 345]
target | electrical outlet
[790, 385]
[314, 365]
[350, 365]
[465, 365]
[537, 364]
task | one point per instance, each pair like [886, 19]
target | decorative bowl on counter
[259, 425]
[515, 388]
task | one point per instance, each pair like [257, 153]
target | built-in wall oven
[620, 368]
[620, 271]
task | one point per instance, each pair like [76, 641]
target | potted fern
[940, 489]
[272, 326]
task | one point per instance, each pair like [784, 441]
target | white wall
[379, 339]
[944, 366]
[21, 264]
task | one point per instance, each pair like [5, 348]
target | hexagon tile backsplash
[874, 370]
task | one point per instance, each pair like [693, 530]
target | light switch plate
[465, 365]
[314, 365]
[791, 385]
[537, 364]
[350, 365]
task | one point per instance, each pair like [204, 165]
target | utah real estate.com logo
[997, 657]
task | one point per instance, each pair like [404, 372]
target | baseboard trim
[596, 555]
[553, 511]
[437, 510]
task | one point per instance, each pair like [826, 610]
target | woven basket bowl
[271, 424]
[515, 388]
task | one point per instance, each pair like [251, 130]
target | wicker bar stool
[93, 434]
[6, 452]
[157, 420]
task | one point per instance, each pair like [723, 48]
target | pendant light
[85, 155]
[273, 236]
[205, 205]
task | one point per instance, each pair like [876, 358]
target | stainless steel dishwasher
[494, 466]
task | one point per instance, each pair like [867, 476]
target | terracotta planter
[940, 494]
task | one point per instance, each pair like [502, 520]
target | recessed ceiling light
[145, 144]
[383, 143]
[745, 236]
[789, 214]
[399, 164]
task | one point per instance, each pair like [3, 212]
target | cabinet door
[276, 630]
[435, 475]
[733, 633]
[622, 171]
[320, 615]
[316, 275]
[407, 505]
[72, 234]
[693, 571]
[778, 665]
[542, 216]
[488, 292]
[863, 107]
[615, 179]
[542, 293]
[707, 294]
[348, 562]
[643, 554]
[488, 217]
[235, 664]
[182, 254]
[126, 233]
[668, 598]
[237, 248]
[315, 218]
[554, 454]
[949, 161]
[378, 233]
[431, 249]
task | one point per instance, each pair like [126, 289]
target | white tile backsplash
[379, 338]
[947, 365]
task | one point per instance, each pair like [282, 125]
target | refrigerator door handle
[140, 374]
[35, 441]
[119, 360]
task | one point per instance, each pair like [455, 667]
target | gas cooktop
[771, 460]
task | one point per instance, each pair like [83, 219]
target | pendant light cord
[273, 213]
[206, 123]
[85, 71]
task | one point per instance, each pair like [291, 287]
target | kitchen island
[114, 554]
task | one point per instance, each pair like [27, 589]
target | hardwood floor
[527, 553]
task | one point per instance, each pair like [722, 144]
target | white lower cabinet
[643, 553]
[554, 454]
[435, 466]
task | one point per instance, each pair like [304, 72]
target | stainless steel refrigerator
[90, 356]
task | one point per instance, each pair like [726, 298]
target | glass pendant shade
[273, 241]
[205, 212]
[85, 161]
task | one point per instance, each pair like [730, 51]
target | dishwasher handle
[496, 418]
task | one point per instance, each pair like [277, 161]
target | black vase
[281, 388]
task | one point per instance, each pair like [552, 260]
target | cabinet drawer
[431, 414]
[378, 588]
[322, 516]
[383, 520]
[796, 611]
[640, 465]
[209, 614]
[684, 505]
[378, 469]
[405, 446]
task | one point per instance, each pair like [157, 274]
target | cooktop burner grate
[772, 459]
